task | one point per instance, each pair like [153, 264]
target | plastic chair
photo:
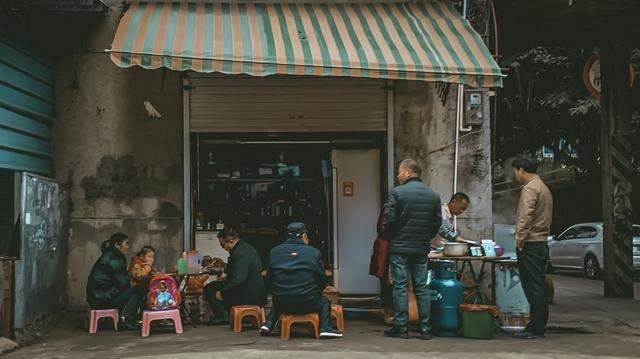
[96, 314]
[286, 320]
[338, 314]
[239, 312]
[149, 316]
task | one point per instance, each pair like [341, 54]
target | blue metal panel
[25, 101]
[22, 162]
[26, 110]
[25, 62]
[18, 122]
[24, 143]
[17, 78]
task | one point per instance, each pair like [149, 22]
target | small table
[183, 280]
[476, 278]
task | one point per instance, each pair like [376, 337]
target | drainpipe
[459, 125]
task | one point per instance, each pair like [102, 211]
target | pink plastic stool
[149, 316]
[96, 314]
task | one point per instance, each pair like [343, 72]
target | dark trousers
[415, 266]
[220, 308]
[386, 294]
[532, 261]
[128, 302]
[319, 304]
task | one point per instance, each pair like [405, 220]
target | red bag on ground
[163, 292]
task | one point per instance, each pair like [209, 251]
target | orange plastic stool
[96, 314]
[336, 312]
[286, 320]
[239, 312]
[149, 316]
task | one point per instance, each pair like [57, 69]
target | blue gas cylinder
[446, 299]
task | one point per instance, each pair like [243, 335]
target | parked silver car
[580, 247]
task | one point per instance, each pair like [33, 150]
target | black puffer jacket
[412, 218]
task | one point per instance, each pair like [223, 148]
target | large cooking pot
[456, 249]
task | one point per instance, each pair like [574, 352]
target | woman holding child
[109, 285]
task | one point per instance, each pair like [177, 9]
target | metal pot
[456, 249]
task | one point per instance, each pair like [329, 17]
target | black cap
[296, 228]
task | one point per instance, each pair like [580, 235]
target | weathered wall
[424, 130]
[123, 168]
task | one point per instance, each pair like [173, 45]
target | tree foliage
[544, 103]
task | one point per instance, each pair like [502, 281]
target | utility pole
[617, 172]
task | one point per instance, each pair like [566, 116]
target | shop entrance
[259, 184]
[268, 151]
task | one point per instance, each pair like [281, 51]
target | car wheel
[591, 267]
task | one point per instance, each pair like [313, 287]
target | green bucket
[478, 325]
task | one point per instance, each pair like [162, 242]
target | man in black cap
[297, 278]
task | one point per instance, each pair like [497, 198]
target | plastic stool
[149, 316]
[286, 320]
[338, 313]
[96, 314]
[239, 312]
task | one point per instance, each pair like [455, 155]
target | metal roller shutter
[220, 103]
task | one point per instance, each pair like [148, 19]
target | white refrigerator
[356, 205]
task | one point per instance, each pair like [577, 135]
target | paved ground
[584, 325]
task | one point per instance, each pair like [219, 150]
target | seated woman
[109, 287]
[141, 266]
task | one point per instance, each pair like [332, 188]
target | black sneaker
[393, 333]
[425, 335]
[266, 329]
[528, 335]
[330, 333]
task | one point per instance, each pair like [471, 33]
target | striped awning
[426, 40]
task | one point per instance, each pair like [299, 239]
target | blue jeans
[404, 266]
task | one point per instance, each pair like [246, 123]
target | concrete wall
[424, 130]
[123, 168]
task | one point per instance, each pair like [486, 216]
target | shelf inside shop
[258, 179]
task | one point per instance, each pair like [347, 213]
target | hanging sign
[593, 79]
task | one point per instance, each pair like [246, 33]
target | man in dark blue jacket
[297, 278]
[412, 217]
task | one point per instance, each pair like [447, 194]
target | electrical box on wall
[474, 103]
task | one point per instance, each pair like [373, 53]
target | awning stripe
[425, 40]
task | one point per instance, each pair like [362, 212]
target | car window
[587, 232]
[579, 232]
[570, 233]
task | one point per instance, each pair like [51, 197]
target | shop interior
[259, 183]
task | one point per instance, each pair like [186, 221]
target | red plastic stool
[286, 320]
[96, 314]
[239, 312]
[149, 316]
[338, 313]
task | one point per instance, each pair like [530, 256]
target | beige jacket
[535, 210]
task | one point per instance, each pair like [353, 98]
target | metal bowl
[456, 249]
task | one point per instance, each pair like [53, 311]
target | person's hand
[219, 296]
[519, 244]
[222, 277]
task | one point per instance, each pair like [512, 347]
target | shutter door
[220, 103]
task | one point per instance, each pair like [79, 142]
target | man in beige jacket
[533, 224]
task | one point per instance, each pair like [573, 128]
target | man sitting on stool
[242, 283]
[297, 278]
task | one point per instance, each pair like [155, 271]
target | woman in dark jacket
[109, 286]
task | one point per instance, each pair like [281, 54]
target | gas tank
[447, 297]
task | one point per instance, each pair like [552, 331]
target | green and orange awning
[426, 40]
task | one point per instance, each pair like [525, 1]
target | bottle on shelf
[219, 225]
